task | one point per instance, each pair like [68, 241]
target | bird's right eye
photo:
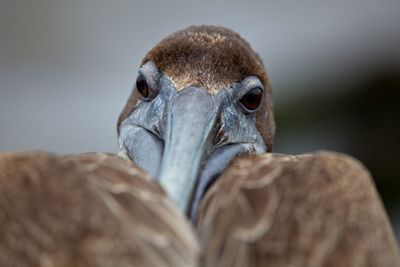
[142, 86]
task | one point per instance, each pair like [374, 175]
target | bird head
[201, 98]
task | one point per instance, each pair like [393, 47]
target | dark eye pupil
[142, 86]
[252, 99]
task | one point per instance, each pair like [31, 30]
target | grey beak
[187, 141]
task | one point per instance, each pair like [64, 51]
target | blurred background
[67, 68]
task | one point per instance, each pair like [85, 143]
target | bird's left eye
[252, 100]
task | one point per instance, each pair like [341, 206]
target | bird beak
[189, 128]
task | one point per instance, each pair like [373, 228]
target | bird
[195, 182]
[200, 121]
[201, 98]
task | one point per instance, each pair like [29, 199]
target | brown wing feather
[315, 210]
[87, 210]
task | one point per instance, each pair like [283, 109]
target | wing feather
[320, 209]
[87, 210]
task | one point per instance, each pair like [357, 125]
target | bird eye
[251, 101]
[142, 86]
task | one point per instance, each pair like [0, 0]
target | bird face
[201, 98]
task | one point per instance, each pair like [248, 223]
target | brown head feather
[210, 57]
[206, 56]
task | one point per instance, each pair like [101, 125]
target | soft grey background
[67, 67]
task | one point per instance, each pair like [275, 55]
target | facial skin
[185, 137]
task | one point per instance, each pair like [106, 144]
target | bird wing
[276, 210]
[87, 210]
